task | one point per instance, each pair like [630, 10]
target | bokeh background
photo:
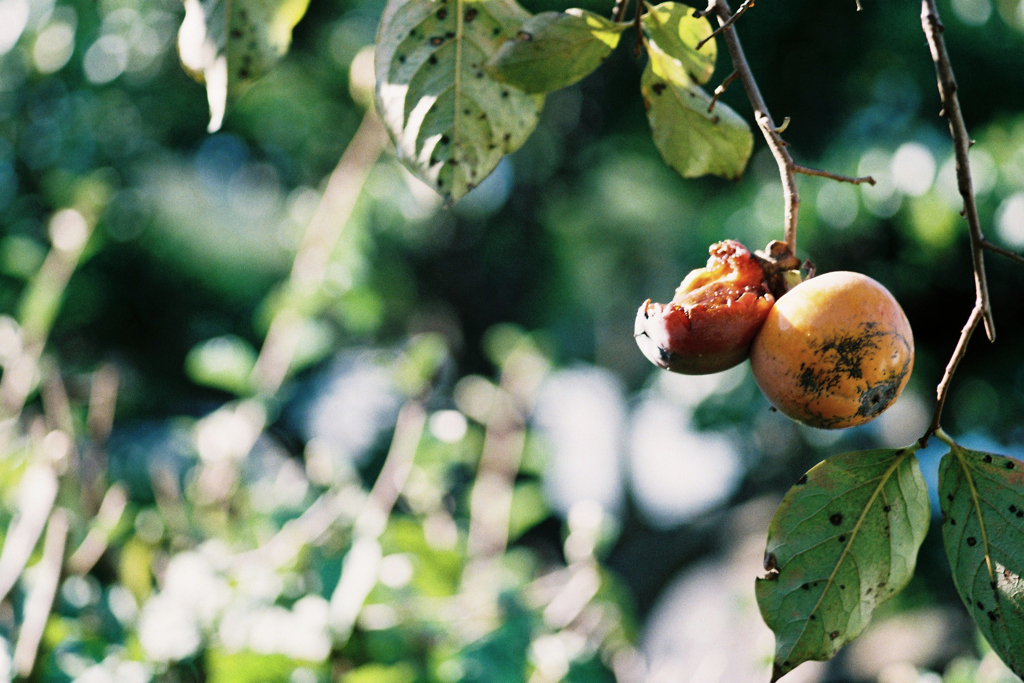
[559, 510]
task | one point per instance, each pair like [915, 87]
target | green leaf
[982, 501]
[252, 667]
[844, 540]
[227, 44]
[692, 140]
[402, 672]
[555, 49]
[529, 508]
[672, 34]
[223, 363]
[451, 121]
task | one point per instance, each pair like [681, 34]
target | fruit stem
[933, 28]
[787, 167]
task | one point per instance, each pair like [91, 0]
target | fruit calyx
[781, 267]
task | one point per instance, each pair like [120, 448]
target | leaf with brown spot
[440, 91]
[691, 140]
[831, 577]
[986, 544]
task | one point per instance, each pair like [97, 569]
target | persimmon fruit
[835, 351]
[713, 317]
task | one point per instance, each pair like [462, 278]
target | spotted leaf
[844, 540]
[227, 44]
[555, 49]
[451, 121]
[982, 501]
[691, 139]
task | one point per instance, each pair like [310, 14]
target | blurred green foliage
[221, 518]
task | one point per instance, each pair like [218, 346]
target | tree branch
[933, 28]
[958, 353]
[747, 4]
[787, 168]
[804, 170]
[995, 248]
[720, 90]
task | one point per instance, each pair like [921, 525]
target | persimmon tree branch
[996, 249]
[932, 26]
[933, 29]
[772, 133]
[763, 117]
[747, 4]
[958, 353]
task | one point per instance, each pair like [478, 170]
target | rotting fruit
[835, 351]
[713, 317]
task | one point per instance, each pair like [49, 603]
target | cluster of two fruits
[832, 351]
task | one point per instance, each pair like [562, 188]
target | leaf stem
[944, 437]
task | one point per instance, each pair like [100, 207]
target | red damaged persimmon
[712, 319]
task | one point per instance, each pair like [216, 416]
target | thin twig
[764, 119]
[619, 13]
[638, 48]
[747, 4]
[40, 600]
[317, 248]
[85, 557]
[804, 170]
[720, 90]
[359, 570]
[958, 353]
[37, 492]
[933, 28]
[996, 249]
